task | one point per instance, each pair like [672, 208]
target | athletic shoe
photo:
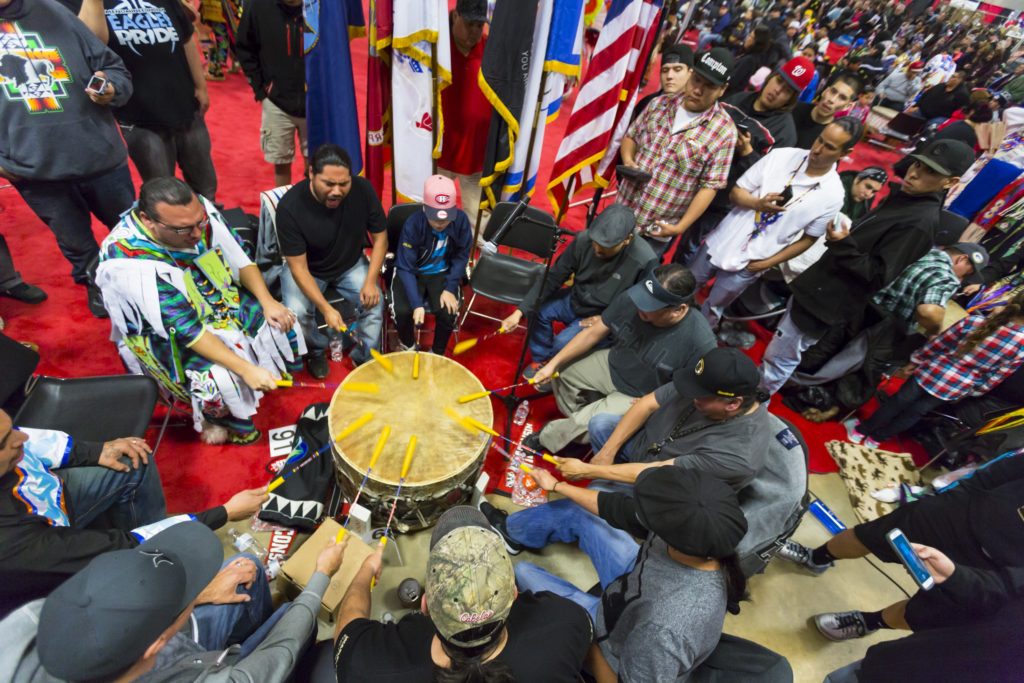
[839, 626]
[801, 555]
[26, 293]
[854, 435]
[497, 519]
[94, 299]
[533, 442]
[737, 339]
[316, 363]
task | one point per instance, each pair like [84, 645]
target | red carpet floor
[74, 344]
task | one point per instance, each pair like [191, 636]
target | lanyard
[762, 221]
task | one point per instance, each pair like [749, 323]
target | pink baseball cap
[439, 198]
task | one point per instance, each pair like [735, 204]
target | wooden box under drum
[448, 458]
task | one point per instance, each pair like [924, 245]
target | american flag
[607, 95]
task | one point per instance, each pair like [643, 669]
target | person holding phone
[686, 143]
[864, 258]
[60, 146]
[782, 205]
[975, 523]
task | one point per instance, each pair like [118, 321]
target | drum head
[411, 407]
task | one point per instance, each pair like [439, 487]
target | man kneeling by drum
[473, 618]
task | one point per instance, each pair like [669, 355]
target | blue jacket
[417, 243]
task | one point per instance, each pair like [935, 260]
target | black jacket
[38, 556]
[936, 102]
[779, 123]
[838, 287]
[596, 281]
[269, 48]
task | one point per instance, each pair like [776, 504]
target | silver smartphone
[901, 545]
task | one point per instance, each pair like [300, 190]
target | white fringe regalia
[129, 286]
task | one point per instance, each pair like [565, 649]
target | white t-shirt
[683, 118]
[744, 235]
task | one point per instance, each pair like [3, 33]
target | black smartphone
[787, 194]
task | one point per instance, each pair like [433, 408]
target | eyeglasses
[185, 230]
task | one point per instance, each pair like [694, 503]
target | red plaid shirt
[696, 157]
[948, 377]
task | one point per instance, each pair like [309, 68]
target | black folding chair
[505, 277]
[91, 408]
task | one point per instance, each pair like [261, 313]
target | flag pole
[533, 133]
[433, 104]
[563, 206]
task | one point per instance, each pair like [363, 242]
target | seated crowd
[729, 186]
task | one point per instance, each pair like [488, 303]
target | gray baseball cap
[612, 225]
[101, 620]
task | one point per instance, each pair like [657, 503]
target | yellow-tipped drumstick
[351, 428]
[341, 534]
[377, 450]
[407, 463]
[416, 365]
[410, 450]
[381, 441]
[277, 481]
[384, 361]
[363, 387]
[487, 392]
[467, 344]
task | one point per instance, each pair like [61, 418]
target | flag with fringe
[420, 37]
[378, 94]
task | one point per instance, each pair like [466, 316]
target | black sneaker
[497, 518]
[94, 297]
[316, 363]
[533, 442]
[24, 292]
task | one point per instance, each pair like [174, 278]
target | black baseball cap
[693, 511]
[951, 227]
[612, 225]
[724, 372]
[948, 157]
[715, 65]
[472, 10]
[979, 259]
[101, 620]
[677, 54]
[649, 295]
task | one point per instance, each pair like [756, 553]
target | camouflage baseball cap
[470, 582]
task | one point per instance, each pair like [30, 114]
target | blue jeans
[544, 343]
[708, 39]
[728, 287]
[132, 499]
[223, 625]
[784, 352]
[348, 284]
[65, 205]
[612, 551]
[600, 429]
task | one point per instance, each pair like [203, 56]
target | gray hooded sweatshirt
[49, 128]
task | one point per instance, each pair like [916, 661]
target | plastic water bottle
[337, 347]
[522, 412]
[245, 543]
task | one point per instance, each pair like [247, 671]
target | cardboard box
[297, 569]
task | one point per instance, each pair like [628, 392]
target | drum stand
[512, 400]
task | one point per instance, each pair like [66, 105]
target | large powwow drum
[447, 458]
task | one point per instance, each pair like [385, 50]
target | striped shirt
[681, 162]
[949, 377]
[929, 280]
